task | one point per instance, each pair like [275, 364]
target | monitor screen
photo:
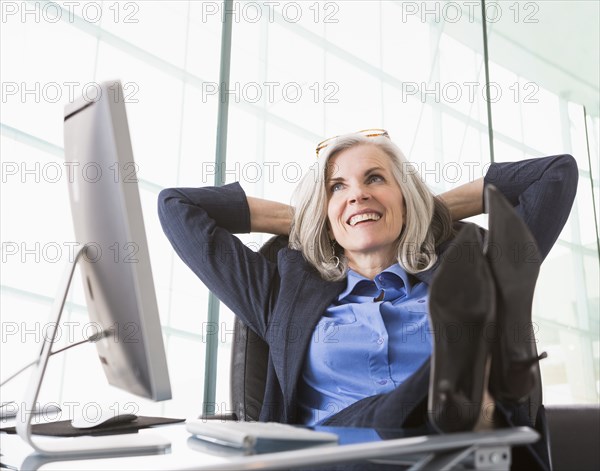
[115, 268]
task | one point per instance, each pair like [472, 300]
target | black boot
[461, 309]
[515, 263]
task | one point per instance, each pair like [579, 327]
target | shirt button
[421, 300]
[380, 340]
[382, 382]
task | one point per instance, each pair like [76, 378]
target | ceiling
[560, 52]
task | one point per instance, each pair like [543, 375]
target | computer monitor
[115, 266]
[107, 216]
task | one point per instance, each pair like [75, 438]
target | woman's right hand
[270, 216]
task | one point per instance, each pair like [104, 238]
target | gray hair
[427, 223]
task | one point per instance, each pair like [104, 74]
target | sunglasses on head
[365, 132]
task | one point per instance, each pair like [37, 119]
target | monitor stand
[128, 444]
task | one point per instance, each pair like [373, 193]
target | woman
[344, 309]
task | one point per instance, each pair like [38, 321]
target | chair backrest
[250, 356]
[574, 436]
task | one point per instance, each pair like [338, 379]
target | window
[300, 72]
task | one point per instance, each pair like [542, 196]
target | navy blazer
[282, 302]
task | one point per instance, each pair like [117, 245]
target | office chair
[250, 356]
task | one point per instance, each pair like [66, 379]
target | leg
[404, 407]
[529, 457]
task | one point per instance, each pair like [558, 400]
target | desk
[491, 450]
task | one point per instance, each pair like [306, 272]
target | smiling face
[365, 206]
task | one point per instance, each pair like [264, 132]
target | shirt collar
[353, 278]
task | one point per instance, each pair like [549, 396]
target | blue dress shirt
[371, 339]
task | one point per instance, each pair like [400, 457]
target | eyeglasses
[365, 132]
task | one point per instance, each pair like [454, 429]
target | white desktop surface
[180, 456]
[188, 453]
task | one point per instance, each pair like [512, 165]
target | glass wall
[300, 72]
[163, 53]
[547, 104]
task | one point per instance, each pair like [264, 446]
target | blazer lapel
[313, 297]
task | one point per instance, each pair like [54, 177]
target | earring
[334, 259]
